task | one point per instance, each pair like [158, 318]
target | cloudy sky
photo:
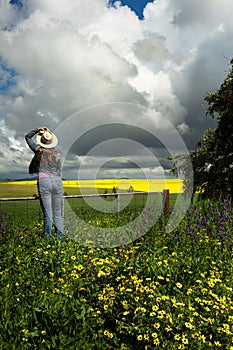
[62, 61]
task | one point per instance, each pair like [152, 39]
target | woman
[47, 164]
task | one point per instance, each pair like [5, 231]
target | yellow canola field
[173, 185]
[153, 185]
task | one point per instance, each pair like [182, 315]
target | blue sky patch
[136, 5]
[7, 77]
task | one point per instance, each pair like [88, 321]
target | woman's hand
[43, 129]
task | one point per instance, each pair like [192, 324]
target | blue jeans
[50, 191]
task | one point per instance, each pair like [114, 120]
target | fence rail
[25, 210]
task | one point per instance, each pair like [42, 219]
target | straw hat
[47, 139]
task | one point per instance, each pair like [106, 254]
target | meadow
[164, 290]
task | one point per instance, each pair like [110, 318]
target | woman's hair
[48, 156]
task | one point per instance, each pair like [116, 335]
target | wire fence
[26, 211]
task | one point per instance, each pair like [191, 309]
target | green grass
[162, 291]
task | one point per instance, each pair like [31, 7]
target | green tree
[212, 160]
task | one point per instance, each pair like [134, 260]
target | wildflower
[177, 337]
[211, 283]
[105, 307]
[154, 335]
[189, 325]
[179, 285]
[169, 318]
[108, 334]
[156, 341]
[202, 338]
[161, 313]
[155, 308]
[140, 337]
[204, 290]
[101, 273]
[43, 332]
[185, 340]
[143, 309]
[146, 336]
[217, 343]
[126, 313]
[125, 304]
[160, 278]
[191, 308]
[157, 325]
